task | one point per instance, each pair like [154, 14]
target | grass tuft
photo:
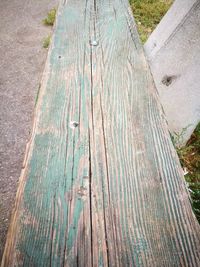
[47, 41]
[189, 156]
[51, 16]
[148, 14]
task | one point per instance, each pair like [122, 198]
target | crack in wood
[108, 192]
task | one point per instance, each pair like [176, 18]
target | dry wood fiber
[101, 183]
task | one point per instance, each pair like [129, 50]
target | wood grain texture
[109, 190]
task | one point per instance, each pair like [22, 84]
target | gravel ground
[22, 59]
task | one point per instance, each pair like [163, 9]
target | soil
[22, 59]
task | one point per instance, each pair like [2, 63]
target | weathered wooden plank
[107, 191]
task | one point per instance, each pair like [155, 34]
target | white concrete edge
[169, 24]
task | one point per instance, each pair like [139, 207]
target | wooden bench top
[101, 183]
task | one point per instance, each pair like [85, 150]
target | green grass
[47, 41]
[37, 96]
[50, 18]
[189, 156]
[148, 14]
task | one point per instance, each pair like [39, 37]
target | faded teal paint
[84, 102]
[49, 186]
[96, 188]
[73, 229]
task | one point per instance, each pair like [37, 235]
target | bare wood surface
[101, 183]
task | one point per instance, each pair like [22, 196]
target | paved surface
[22, 60]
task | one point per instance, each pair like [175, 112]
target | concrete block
[173, 51]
